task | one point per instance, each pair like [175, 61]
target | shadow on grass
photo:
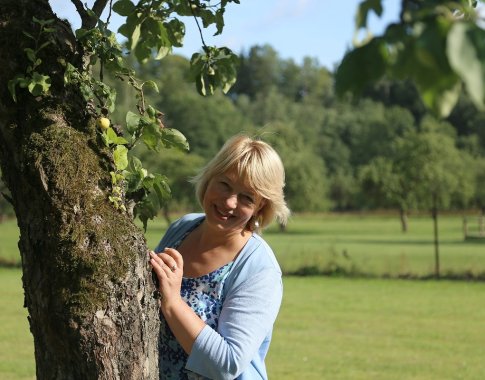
[414, 242]
[4, 263]
[339, 271]
[293, 232]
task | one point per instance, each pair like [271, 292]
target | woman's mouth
[223, 215]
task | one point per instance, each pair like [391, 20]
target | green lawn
[375, 245]
[16, 342]
[332, 328]
[336, 328]
[9, 237]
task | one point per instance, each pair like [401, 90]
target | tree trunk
[481, 223]
[434, 213]
[404, 220]
[86, 279]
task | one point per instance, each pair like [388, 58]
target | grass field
[336, 327]
[375, 245]
[360, 329]
[332, 328]
[355, 244]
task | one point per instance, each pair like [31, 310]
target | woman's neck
[211, 239]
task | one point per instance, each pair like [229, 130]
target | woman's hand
[182, 320]
[168, 266]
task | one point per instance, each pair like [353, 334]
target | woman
[219, 281]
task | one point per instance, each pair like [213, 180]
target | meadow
[353, 324]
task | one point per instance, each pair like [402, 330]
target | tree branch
[99, 6]
[81, 11]
[88, 22]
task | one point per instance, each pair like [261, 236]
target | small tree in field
[74, 183]
[385, 185]
[439, 173]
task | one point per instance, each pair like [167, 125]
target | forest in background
[383, 150]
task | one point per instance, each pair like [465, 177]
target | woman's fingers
[169, 274]
[173, 259]
[169, 259]
[157, 263]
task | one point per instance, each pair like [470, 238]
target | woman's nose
[231, 201]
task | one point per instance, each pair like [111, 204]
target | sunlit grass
[16, 342]
[335, 328]
[332, 328]
[375, 245]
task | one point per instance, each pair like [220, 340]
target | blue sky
[321, 29]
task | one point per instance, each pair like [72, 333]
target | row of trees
[381, 151]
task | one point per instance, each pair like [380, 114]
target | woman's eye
[248, 198]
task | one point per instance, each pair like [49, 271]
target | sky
[321, 29]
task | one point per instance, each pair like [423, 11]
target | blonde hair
[260, 167]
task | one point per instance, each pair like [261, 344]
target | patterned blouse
[204, 295]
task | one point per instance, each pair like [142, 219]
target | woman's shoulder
[256, 256]
[261, 253]
[189, 218]
[256, 265]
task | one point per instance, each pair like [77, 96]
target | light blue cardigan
[253, 291]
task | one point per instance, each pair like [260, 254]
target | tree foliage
[438, 45]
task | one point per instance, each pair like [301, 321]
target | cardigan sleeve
[246, 319]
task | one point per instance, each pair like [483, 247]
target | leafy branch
[37, 83]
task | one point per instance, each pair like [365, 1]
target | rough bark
[87, 286]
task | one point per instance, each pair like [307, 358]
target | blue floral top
[204, 295]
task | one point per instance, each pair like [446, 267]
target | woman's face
[229, 204]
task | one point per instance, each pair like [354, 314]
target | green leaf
[174, 138]
[162, 52]
[152, 136]
[45, 44]
[136, 163]
[147, 209]
[124, 7]
[135, 36]
[21, 81]
[441, 102]
[30, 54]
[42, 22]
[219, 20]
[39, 84]
[360, 66]
[160, 185]
[143, 52]
[151, 84]
[175, 32]
[120, 157]
[132, 121]
[28, 35]
[111, 138]
[464, 58]
[363, 12]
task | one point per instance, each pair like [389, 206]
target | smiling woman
[219, 281]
